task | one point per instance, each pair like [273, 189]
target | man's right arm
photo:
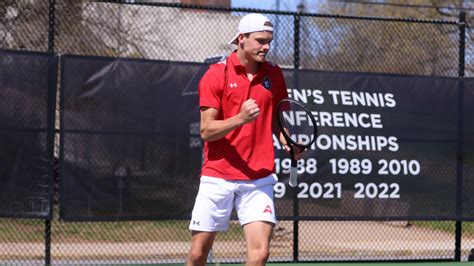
[213, 129]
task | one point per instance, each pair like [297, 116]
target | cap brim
[234, 40]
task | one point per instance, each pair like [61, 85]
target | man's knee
[258, 256]
[201, 244]
[197, 257]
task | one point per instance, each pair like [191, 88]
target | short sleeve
[210, 89]
[281, 91]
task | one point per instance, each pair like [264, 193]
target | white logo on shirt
[233, 85]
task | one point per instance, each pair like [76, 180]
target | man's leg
[211, 214]
[201, 243]
[257, 236]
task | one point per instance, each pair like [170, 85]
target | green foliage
[447, 226]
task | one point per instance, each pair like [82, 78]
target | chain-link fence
[186, 33]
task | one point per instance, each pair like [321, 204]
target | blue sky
[262, 4]
[283, 5]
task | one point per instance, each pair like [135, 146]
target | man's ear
[240, 39]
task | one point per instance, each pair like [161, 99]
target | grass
[27, 230]
[447, 226]
[16, 230]
[24, 230]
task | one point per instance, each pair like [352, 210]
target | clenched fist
[249, 111]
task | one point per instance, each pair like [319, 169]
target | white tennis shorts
[252, 200]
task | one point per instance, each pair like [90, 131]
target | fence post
[47, 222]
[296, 66]
[460, 136]
[51, 24]
[47, 242]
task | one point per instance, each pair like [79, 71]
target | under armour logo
[268, 209]
[195, 222]
[233, 85]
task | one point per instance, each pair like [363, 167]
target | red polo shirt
[247, 152]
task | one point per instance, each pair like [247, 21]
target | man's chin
[260, 58]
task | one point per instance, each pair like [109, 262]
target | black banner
[27, 90]
[386, 149]
[130, 145]
[388, 145]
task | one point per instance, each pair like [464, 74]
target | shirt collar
[239, 68]
[236, 63]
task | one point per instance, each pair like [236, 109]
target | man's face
[257, 45]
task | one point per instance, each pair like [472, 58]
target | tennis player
[237, 100]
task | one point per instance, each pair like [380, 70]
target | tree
[23, 25]
[382, 46]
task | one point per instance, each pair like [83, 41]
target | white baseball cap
[252, 23]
